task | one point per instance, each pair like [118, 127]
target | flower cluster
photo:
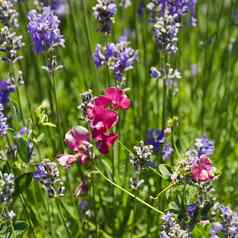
[171, 229]
[104, 11]
[225, 222]
[86, 98]
[10, 44]
[157, 138]
[140, 160]
[6, 87]
[118, 57]
[166, 31]
[8, 14]
[176, 8]
[165, 15]
[3, 122]
[44, 30]
[168, 74]
[47, 174]
[141, 157]
[198, 162]
[102, 116]
[7, 187]
[77, 139]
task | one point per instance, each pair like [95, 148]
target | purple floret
[44, 30]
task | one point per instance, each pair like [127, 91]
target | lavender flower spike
[44, 30]
[104, 11]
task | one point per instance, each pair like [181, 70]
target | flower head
[8, 13]
[167, 152]
[156, 138]
[47, 174]
[44, 30]
[116, 97]
[3, 122]
[104, 11]
[6, 87]
[118, 57]
[77, 137]
[7, 187]
[204, 146]
[154, 73]
[166, 31]
[202, 170]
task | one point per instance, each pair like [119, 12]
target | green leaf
[164, 171]
[20, 227]
[22, 182]
[23, 150]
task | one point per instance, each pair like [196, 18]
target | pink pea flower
[101, 118]
[116, 97]
[202, 170]
[76, 137]
[66, 160]
[105, 142]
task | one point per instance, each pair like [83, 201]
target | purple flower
[216, 228]
[6, 87]
[166, 30]
[176, 8]
[118, 57]
[154, 73]
[167, 217]
[47, 174]
[192, 209]
[104, 11]
[204, 146]
[44, 30]
[156, 138]
[167, 152]
[171, 228]
[3, 122]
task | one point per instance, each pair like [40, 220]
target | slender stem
[57, 113]
[164, 190]
[130, 194]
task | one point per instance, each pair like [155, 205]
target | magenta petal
[118, 98]
[102, 101]
[105, 116]
[106, 143]
[75, 137]
[125, 103]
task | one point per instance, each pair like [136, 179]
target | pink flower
[83, 156]
[105, 142]
[101, 118]
[114, 96]
[76, 137]
[202, 170]
[66, 160]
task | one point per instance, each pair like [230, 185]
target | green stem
[130, 194]
[164, 190]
